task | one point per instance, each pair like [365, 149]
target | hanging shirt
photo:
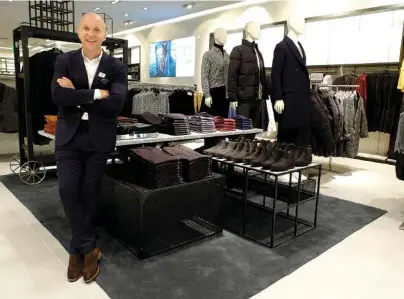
[91, 68]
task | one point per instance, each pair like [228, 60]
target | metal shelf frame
[21, 36]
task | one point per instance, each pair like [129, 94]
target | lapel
[295, 51]
[304, 53]
[102, 68]
[80, 78]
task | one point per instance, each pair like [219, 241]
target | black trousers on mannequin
[220, 103]
[297, 136]
[252, 110]
[80, 169]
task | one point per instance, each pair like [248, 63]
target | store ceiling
[13, 13]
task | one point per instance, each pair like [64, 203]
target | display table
[262, 208]
[149, 222]
[164, 138]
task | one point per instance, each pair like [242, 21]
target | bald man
[89, 87]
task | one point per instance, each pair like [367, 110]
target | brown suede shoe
[91, 268]
[75, 269]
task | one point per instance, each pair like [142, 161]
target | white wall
[201, 27]
[6, 54]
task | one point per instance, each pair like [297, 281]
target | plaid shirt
[214, 72]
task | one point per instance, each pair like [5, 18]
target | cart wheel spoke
[32, 172]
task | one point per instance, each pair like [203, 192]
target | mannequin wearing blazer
[291, 84]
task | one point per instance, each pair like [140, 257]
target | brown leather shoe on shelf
[75, 269]
[91, 268]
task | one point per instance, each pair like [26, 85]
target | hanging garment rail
[168, 87]
[333, 86]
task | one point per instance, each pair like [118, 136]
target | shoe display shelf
[153, 221]
[262, 206]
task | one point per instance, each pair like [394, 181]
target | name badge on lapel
[101, 75]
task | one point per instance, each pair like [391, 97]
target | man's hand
[104, 93]
[65, 82]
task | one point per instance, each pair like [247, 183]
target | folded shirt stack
[148, 118]
[195, 166]
[125, 128]
[50, 124]
[224, 124]
[127, 119]
[174, 124]
[155, 168]
[243, 123]
[202, 123]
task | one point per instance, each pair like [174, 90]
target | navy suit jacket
[111, 75]
[291, 83]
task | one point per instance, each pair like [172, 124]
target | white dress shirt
[91, 69]
[259, 75]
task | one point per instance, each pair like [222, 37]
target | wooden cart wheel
[15, 164]
[32, 172]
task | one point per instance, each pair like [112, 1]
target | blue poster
[162, 62]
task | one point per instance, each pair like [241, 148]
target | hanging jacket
[9, 111]
[322, 138]
[355, 124]
[244, 74]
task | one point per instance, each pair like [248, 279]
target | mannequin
[247, 82]
[291, 85]
[215, 64]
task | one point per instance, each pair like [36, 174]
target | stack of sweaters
[202, 123]
[156, 168]
[224, 124]
[50, 125]
[195, 166]
[243, 123]
[174, 124]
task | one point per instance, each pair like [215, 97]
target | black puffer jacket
[322, 138]
[244, 73]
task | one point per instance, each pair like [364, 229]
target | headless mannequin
[296, 25]
[252, 33]
[220, 36]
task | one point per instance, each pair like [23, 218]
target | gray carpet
[222, 267]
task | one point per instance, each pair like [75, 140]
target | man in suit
[89, 87]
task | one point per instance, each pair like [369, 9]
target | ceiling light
[115, 1]
[131, 22]
[126, 15]
[145, 8]
[97, 9]
[188, 6]
[10, 0]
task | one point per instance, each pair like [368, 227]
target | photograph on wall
[162, 62]
[174, 58]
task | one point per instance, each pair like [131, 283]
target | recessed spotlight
[145, 8]
[131, 22]
[10, 0]
[126, 15]
[115, 1]
[188, 6]
[97, 9]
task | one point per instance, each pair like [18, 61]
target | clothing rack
[165, 87]
[21, 36]
[337, 87]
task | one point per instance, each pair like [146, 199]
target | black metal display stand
[261, 208]
[54, 15]
[152, 221]
[27, 159]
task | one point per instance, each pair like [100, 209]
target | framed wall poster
[173, 58]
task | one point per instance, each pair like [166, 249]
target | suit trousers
[80, 168]
[252, 110]
[220, 104]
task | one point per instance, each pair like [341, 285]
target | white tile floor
[368, 264]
